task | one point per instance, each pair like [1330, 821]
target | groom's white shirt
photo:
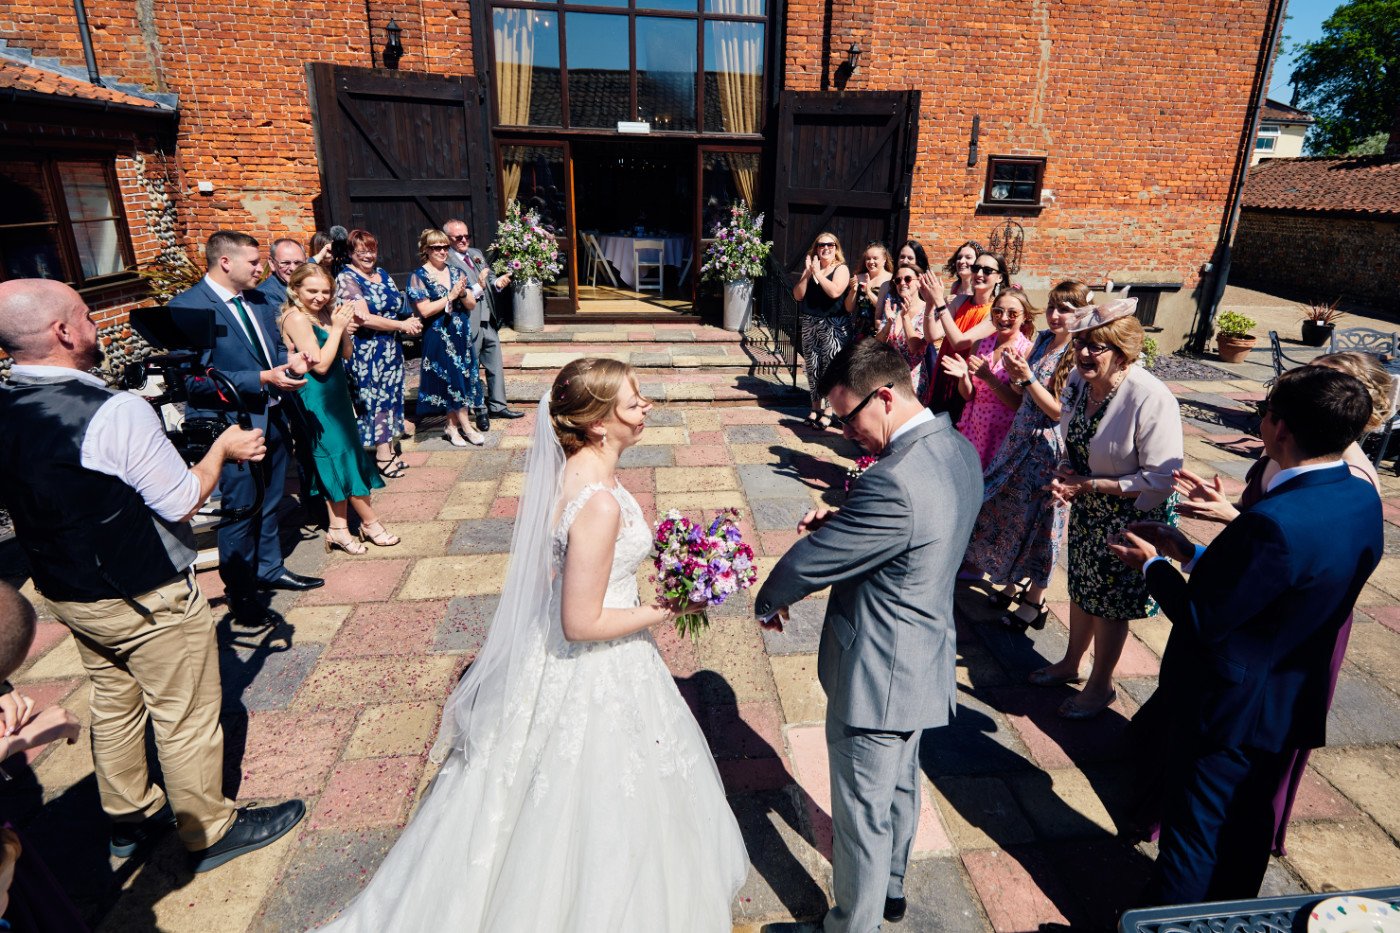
[923, 417]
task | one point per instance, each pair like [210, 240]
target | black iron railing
[773, 334]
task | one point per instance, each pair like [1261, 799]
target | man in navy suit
[247, 349]
[1246, 669]
[283, 258]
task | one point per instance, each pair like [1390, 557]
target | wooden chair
[1281, 360]
[596, 259]
[1365, 340]
[654, 259]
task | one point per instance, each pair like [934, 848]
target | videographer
[100, 501]
[249, 351]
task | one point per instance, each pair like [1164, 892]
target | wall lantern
[393, 49]
[848, 67]
[853, 56]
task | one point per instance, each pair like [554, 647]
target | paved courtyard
[340, 703]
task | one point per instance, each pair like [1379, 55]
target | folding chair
[655, 259]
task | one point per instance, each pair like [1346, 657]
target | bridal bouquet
[700, 567]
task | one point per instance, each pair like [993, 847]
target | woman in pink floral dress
[982, 379]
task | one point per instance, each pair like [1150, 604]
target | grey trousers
[488, 353]
[875, 813]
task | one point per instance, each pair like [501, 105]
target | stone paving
[340, 703]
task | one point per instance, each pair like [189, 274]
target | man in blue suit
[1246, 669]
[283, 258]
[247, 349]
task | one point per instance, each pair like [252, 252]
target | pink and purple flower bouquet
[699, 567]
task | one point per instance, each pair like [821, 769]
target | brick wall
[1314, 256]
[1138, 108]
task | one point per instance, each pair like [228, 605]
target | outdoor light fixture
[848, 67]
[393, 49]
[853, 56]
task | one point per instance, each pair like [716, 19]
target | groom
[888, 651]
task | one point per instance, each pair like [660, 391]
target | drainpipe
[86, 35]
[1220, 273]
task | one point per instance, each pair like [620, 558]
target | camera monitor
[175, 328]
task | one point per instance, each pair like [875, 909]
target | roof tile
[1368, 184]
[25, 77]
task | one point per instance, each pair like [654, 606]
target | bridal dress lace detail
[599, 810]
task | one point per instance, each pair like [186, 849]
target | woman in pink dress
[982, 378]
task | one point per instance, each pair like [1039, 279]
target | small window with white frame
[1267, 138]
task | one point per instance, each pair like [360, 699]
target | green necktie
[252, 331]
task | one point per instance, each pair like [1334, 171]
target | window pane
[727, 177]
[734, 7]
[534, 176]
[99, 248]
[85, 189]
[733, 77]
[527, 67]
[24, 198]
[30, 253]
[599, 69]
[1265, 143]
[666, 72]
[685, 6]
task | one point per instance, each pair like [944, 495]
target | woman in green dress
[311, 324]
[1122, 435]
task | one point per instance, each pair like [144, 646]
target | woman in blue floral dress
[377, 365]
[451, 380]
[1021, 526]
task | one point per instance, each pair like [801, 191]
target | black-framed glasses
[1094, 349]
[826, 246]
[460, 236]
[905, 279]
[986, 270]
[437, 247]
[849, 416]
[1261, 408]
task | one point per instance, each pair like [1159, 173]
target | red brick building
[1112, 134]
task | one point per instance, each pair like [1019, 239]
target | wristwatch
[1022, 383]
[940, 309]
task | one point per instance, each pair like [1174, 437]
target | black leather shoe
[128, 837]
[895, 908]
[509, 413]
[254, 828]
[800, 926]
[293, 581]
[483, 421]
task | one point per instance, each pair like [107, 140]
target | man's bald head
[41, 319]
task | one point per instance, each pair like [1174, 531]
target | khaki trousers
[163, 668]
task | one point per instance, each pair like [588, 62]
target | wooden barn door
[845, 163]
[399, 152]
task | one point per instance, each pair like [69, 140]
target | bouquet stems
[692, 624]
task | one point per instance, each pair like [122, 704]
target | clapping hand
[455, 292]
[954, 365]
[1015, 364]
[1131, 549]
[809, 266]
[1164, 539]
[931, 289]
[16, 709]
[1067, 484]
[980, 367]
[1202, 499]
[412, 326]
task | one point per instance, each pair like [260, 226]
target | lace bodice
[632, 546]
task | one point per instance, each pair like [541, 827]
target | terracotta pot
[1315, 334]
[1234, 349]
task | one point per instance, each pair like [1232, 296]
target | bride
[577, 793]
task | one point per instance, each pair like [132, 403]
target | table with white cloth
[618, 251]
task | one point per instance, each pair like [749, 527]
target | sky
[1304, 24]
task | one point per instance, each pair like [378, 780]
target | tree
[1349, 80]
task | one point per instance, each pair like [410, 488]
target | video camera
[185, 333]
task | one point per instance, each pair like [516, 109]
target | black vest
[88, 536]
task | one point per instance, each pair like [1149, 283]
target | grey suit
[888, 648]
[485, 325]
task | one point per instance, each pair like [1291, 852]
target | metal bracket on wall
[972, 141]
[1008, 240]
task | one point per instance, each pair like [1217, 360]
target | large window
[682, 66]
[60, 218]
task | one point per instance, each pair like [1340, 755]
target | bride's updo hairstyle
[584, 393]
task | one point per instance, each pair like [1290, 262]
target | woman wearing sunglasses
[826, 327]
[982, 380]
[959, 324]
[902, 319]
[1122, 432]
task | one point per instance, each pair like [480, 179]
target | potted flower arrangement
[1232, 336]
[529, 253]
[736, 257]
[1319, 320]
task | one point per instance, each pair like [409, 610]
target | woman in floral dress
[377, 365]
[451, 380]
[867, 289]
[991, 399]
[901, 316]
[1021, 526]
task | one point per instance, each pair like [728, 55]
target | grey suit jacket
[891, 557]
[485, 309]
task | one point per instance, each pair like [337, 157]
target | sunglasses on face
[1093, 349]
[1006, 313]
[986, 270]
[826, 246]
[905, 279]
[462, 236]
[1261, 408]
[847, 418]
[438, 248]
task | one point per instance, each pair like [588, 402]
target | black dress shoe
[895, 908]
[253, 828]
[509, 413]
[128, 837]
[800, 926]
[483, 421]
[293, 581]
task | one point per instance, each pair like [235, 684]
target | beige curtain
[515, 68]
[739, 59]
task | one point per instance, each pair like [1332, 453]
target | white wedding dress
[596, 809]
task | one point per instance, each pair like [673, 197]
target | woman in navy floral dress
[451, 381]
[377, 365]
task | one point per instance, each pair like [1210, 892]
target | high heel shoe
[1017, 621]
[475, 438]
[379, 538]
[338, 537]
[1003, 600]
[455, 439]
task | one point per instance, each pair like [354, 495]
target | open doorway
[634, 209]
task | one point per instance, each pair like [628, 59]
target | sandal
[1042, 678]
[1017, 621]
[824, 422]
[1003, 600]
[380, 538]
[813, 421]
[338, 537]
[388, 468]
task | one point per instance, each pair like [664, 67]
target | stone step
[622, 334]
[709, 389]
[642, 356]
